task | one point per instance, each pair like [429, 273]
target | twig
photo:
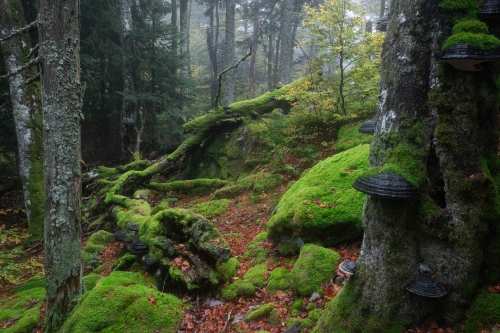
[227, 321]
[17, 71]
[217, 97]
[33, 79]
[21, 31]
[32, 51]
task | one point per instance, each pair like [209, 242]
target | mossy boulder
[190, 187]
[228, 269]
[256, 275]
[262, 311]
[256, 250]
[211, 208]
[125, 302]
[238, 288]
[97, 243]
[350, 137]
[279, 279]
[315, 265]
[484, 313]
[322, 206]
[91, 281]
[22, 309]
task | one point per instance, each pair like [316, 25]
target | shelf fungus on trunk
[147, 262]
[133, 229]
[467, 57]
[368, 127]
[137, 247]
[387, 185]
[490, 9]
[426, 285]
[348, 267]
[121, 236]
[382, 23]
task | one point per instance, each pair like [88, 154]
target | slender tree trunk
[382, 8]
[129, 112]
[286, 47]
[276, 62]
[184, 31]
[228, 79]
[27, 114]
[212, 52]
[436, 124]
[255, 39]
[173, 21]
[270, 63]
[188, 40]
[62, 106]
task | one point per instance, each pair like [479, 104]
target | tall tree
[286, 42]
[27, 112]
[255, 48]
[62, 93]
[228, 59]
[436, 128]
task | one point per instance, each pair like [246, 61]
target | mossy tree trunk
[27, 114]
[439, 125]
[62, 106]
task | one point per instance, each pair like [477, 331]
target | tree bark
[286, 47]
[129, 112]
[62, 105]
[227, 80]
[438, 124]
[255, 39]
[27, 114]
[184, 32]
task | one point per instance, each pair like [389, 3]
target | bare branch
[17, 71]
[217, 97]
[15, 33]
[32, 51]
[33, 79]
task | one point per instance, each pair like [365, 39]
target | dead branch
[32, 62]
[227, 321]
[33, 79]
[217, 97]
[15, 33]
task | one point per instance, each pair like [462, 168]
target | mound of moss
[256, 249]
[228, 269]
[256, 275]
[350, 137]
[322, 206]
[262, 311]
[256, 183]
[279, 279]
[315, 265]
[211, 208]
[473, 32]
[484, 313]
[239, 288]
[125, 302]
[91, 281]
[96, 244]
[22, 309]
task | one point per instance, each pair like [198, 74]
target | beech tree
[436, 128]
[62, 94]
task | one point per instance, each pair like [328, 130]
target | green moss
[24, 305]
[407, 161]
[122, 263]
[256, 275]
[314, 266]
[239, 288]
[91, 281]
[97, 243]
[30, 285]
[468, 8]
[191, 187]
[349, 137]
[256, 183]
[256, 249]
[212, 208]
[262, 311]
[322, 206]
[279, 279]
[125, 302]
[315, 314]
[228, 269]
[483, 41]
[484, 313]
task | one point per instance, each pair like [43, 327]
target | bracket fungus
[426, 285]
[387, 185]
[137, 247]
[382, 23]
[368, 126]
[490, 9]
[466, 57]
[121, 236]
[348, 267]
[133, 229]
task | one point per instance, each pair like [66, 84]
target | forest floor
[207, 313]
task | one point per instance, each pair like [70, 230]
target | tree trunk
[27, 114]
[286, 47]
[184, 32]
[227, 80]
[129, 112]
[212, 51]
[173, 21]
[62, 106]
[438, 125]
[270, 62]
[255, 39]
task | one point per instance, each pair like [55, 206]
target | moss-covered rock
[228, 269]
[22, 309]
[211, 208]
[484, 313]
[262, 311]
[191, 187]
[239, 288]
[315, 265]
[350, 137]
[96, 244]
[125, 302]
[256, 183]
[256, 275]
[256, 249]
[322, 206]
[279, 279]
[91, 281]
